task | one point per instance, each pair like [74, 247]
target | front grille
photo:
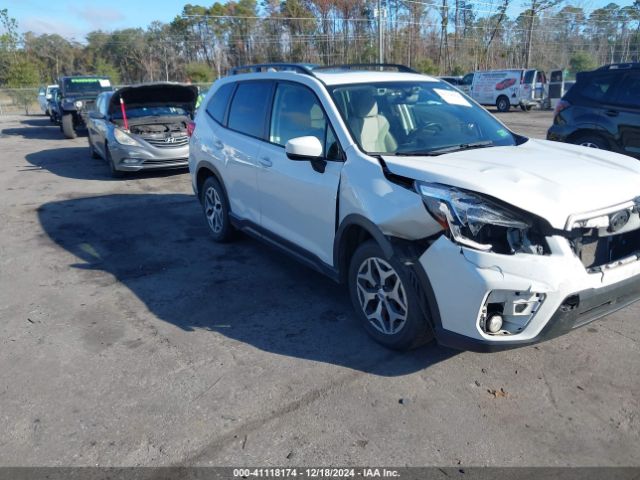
[595, 252]
[167, 142]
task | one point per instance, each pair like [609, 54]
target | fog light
[129, 161]
[78, 104]
[494, 323]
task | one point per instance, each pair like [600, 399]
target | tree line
[433, 36]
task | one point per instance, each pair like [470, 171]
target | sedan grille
[167, 142]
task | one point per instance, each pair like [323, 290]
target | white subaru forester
[441, 221]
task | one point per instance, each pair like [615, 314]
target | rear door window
[249, 108]
[217, 106]
[628, 93]
[597, 87]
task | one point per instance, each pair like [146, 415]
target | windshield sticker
[452, 97]
[83, 80]
[105, 83]
[503, 133]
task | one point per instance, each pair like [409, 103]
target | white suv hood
[549, 179]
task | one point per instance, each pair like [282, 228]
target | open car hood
[162, 94]
[549, 179]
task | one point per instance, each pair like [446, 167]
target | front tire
[385, 299]
[67, 126]
[94, 153]
[215, 207]
[112, 166]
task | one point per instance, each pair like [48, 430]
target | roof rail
[367, 66]
[276, 67]
[620, 66]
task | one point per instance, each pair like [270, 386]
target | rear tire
[386, 300]
[67, 126]
[215, 207]
[591, 141]
[503, 104]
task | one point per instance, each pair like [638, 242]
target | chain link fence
[25, 100]
[19, 100]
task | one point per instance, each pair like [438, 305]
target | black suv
[602, 110]
[77, 96]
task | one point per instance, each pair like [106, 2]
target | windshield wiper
[451, 148]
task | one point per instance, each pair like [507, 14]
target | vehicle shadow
[77, 163]
[158, 246]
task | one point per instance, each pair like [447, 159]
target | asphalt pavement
[127, 337]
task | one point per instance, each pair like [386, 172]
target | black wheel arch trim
[407, 251]
[204, 165]
[371, 228]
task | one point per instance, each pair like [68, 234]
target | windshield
[86, 85]
[405, 118]
[162, 111]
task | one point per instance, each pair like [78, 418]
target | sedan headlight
[123, 138]
[477, 222]
[78, 103]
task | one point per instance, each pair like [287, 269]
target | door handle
[218, 144]
[265, 161]
[611, 113]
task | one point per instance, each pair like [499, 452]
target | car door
[625, 113]
[234, 145]
[465, 83]
[96, 127]
[298, 198]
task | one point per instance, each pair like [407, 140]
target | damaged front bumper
[540, 296]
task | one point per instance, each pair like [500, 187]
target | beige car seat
[370, 128]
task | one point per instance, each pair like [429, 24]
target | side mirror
[96, 115]
[304, 148]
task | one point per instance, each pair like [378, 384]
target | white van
[507, 88]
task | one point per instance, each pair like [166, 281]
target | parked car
[509, 88]
[52, 105]
[602, 110]
[456, 81]
[143, 127]
[439, 220]
[44, 95]
[77, 97]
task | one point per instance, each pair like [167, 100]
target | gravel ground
[128, 338]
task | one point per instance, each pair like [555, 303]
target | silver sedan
[143, 127]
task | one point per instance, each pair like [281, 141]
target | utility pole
[380, 34]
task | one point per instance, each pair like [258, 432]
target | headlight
[477, 222]
[122, 138]
[78, 103]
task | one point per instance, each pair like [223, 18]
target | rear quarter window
[217, 106]
[249, 107]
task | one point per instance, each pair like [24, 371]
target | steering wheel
[427, 130]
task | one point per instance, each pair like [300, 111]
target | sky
[74, 19]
